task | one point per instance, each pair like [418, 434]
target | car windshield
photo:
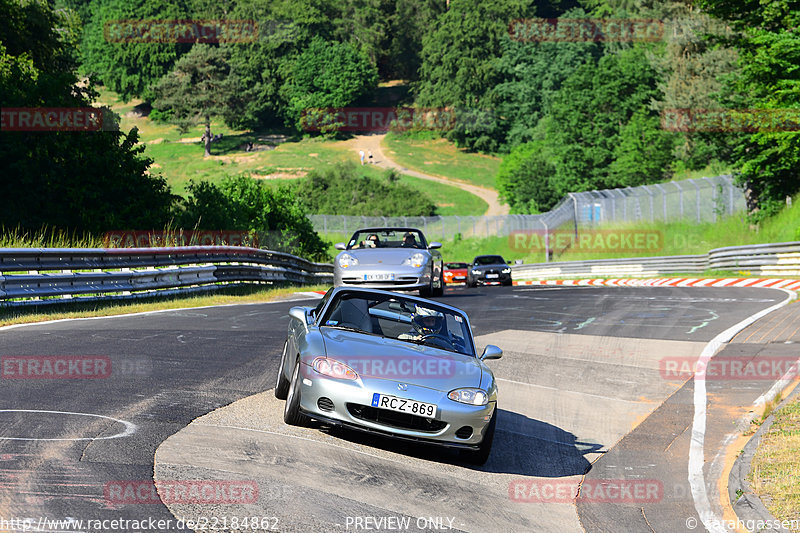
[396, 317]
[453, 266]
[489, 260]
[387, 238]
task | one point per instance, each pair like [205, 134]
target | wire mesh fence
[700, 200]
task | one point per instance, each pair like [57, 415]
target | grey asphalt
[172, 367]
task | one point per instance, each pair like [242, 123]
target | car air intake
[464, 432]
[395, 419]
[326, 404]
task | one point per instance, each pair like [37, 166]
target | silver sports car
[390, 258]
[387, 363]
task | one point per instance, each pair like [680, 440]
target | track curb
[762, 283]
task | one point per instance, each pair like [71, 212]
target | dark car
[489, 269]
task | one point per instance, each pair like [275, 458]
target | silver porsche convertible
[390, 258]
[391, 364]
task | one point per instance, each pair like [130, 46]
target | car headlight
[476, 271]
[506, 271]
[347, 260]
[469, 396]
[416, 260]
[333, 368]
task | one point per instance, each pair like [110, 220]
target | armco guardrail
[47, 275]
[780, 259]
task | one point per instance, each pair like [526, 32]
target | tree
[242, 203]
[524, 179]
[83, 181]
[117, 57]
[199, 88]
[327, 75]
[769, 57]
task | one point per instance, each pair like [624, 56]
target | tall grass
[47, 237]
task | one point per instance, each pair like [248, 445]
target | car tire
[291, 411]
[281, 383]
[507, 283]
[425, 292]
[481, 455]
[440, 290]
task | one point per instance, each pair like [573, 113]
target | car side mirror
[340, 246]
[299, 313]
[434, 245]
[491, 352]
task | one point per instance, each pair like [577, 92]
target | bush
[344, 190]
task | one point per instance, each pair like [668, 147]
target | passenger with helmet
[426, 322]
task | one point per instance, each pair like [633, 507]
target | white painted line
[130, 428]
[710, 520]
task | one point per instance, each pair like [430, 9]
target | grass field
[442, 158]
[775, 470]
[179, 158]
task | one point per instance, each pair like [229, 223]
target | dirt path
[374, 142]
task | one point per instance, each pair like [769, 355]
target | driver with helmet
[426, 322]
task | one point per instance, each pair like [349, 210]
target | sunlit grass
[775, 468]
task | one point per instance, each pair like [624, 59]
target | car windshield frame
[356, 241]
[477, 260]
[375, 299]
[456, 266]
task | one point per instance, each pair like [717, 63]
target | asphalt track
[580, 393]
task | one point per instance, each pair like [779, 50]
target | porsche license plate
[378, 277]
[403, 405]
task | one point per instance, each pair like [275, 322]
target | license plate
[459, 277]
[492, 276]
[403, 405]
[378, 277]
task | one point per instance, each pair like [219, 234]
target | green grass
[179, 158]
[442, 158]
[775, 468]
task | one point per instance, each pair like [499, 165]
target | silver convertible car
[391, 364]
[390, 258]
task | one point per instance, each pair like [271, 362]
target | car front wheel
[291, 411]
[281, 383]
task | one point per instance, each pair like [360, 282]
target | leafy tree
[769, 58]
[112, 55]
[242, 203]
[199, 88]
[327, 74]
[83, 181]
[524, 179]
[643, 153]
[343, 190]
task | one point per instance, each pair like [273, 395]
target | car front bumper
[349, 397]
[482, 278]
[405, 277]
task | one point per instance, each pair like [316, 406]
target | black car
[489, 269]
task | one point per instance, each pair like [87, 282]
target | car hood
[374, 357]
[385, 256]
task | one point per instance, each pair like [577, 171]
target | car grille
[401, 281]
[395, 419]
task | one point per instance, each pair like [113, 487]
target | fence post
[713, 198]
[664, 198]
[680, 197]
[697, 199]
[729, 183]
